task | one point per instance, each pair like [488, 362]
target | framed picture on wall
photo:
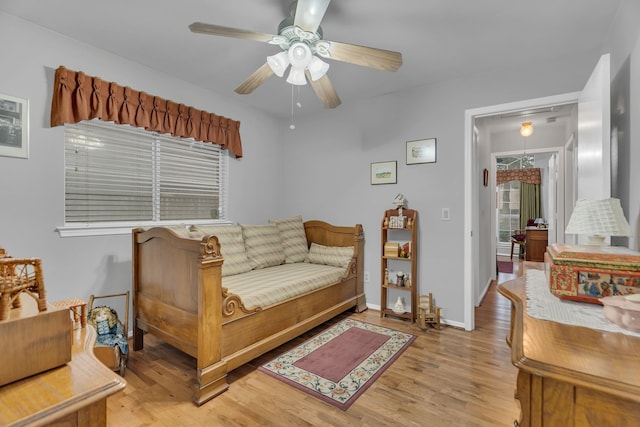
[384, 172]
[14, 127]
[421, 151]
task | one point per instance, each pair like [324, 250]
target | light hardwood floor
[448, 377]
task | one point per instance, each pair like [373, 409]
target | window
[508, 197]
[118, 177]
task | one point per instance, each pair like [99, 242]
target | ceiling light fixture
[301, 58]
[317, 68]
[526, 129]
[296, 76]
[278, 63]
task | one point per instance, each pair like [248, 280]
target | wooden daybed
[179, 297]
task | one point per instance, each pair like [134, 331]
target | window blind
[117, 173]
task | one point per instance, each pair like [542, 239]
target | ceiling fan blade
[309, 13]
[324, 89]
[219, 30]
[386, 60]
[255, 80]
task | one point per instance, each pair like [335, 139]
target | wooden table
[536, 243]
[570, 375]
[74, 394]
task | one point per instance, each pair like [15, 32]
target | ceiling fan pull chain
[292, 126]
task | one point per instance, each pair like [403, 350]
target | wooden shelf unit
[409, 234]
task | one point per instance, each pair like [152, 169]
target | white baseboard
[442, 320]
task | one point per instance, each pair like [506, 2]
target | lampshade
[526, 129]
[278, 63]
[598, 219]
[317, 68]
[296, 76]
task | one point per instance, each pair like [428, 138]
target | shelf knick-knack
[398, 307]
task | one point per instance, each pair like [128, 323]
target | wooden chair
[111, 355]
[17, 276]
[519, 238]
[428, 312]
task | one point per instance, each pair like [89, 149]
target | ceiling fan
[300, 37]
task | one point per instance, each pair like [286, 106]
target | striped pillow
[336, 256]
[294, 238]
[231, 246]
[263, 245]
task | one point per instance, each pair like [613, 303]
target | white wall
[32, 190]
[624, 47]
[328, 156]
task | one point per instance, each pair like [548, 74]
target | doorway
[480, 261]
[591, 165]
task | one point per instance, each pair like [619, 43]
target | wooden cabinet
[399, 253]
[74, 394]
[536, 244]
[571, 376]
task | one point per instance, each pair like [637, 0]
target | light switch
[445, 214]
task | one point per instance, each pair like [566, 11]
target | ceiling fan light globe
[300, 55]
[278, 63]
[296, 77]
[317, 68]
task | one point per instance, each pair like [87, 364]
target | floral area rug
[340, 363]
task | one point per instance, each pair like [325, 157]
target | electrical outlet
[366, 276]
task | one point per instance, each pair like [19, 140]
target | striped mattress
[272, 285]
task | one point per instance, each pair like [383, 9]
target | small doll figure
[110, 332]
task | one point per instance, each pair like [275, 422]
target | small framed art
[421, 151]
[384, 172]
[14, 127]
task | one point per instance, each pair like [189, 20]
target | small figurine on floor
[110, 331]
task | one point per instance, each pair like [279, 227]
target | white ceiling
[439, 39]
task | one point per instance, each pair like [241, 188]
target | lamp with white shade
[598, 219]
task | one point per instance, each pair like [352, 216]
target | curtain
[529, 203]
[77, 97]
[530, 175]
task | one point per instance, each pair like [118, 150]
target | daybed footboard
[178, 296]
[330, 235]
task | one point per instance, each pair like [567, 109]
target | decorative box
[398, 221]
[586, 273]
[32, 341]
[391, 249]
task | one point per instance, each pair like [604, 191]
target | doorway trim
[471, 214]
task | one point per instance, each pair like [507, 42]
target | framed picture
[421, 151]
[14, 127]
[384, 172]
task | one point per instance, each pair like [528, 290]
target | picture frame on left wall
[384, 172]
[14, 126]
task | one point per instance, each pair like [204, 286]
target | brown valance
[77, 96]
[529, 175]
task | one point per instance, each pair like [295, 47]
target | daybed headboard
[330, 235]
